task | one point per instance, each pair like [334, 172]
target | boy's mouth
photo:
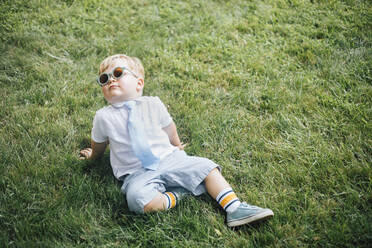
[113, 86]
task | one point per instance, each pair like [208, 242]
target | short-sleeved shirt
[110, 123]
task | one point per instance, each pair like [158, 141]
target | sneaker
[246, 213]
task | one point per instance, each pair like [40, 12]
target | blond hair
[133, 63]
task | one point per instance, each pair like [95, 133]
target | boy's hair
[134, 64]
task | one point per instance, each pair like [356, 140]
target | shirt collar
[121, 104]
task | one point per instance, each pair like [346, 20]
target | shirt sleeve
[98, 134]
[165, 117]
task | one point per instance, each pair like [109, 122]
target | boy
[146, 152]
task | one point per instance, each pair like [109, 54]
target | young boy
[146, 152]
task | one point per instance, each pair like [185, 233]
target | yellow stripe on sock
[173, 199]
[227, 199]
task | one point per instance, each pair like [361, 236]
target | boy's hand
[86, 153]
[182, 146]
[95, 152]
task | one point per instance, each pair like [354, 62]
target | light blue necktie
[139, 139]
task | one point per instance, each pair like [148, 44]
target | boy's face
[127, 87]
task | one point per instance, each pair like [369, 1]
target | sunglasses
[117, 73]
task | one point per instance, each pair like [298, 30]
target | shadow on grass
[100, 171]
[252, 228]
[99, 168]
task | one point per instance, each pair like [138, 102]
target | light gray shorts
[176, 170]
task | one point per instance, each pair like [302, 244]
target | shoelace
[246, 205]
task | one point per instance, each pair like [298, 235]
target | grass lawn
[278, 92]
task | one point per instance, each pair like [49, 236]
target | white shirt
[110, 123]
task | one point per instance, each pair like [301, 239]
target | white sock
[171, 200]
[228, 200]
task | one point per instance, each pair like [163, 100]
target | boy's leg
[215, 183]
[157, 204]
[145, 196]
[237, 213]
[147, 192]
[162, 201]
[166, 200]
[219, 189]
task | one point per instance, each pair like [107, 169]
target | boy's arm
[172, 133]
[95, 152]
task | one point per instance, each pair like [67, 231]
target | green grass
[277, 92]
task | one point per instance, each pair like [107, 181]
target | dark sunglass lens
[103, 78]
[118, 72]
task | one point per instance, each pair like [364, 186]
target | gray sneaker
[246, 213]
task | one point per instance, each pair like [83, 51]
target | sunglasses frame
[111, 75]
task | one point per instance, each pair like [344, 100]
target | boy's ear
[140, 84]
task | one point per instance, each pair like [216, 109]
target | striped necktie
[139, 139]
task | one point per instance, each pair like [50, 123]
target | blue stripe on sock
[222, 196]
[169, 201]
[175, 196]
[228, 205]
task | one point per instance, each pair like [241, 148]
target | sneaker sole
[258, 217]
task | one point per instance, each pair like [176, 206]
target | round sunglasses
[116, 73]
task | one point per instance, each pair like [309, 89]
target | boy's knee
[134, 203]
[148, 207]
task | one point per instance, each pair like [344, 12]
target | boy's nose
[111, 79]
